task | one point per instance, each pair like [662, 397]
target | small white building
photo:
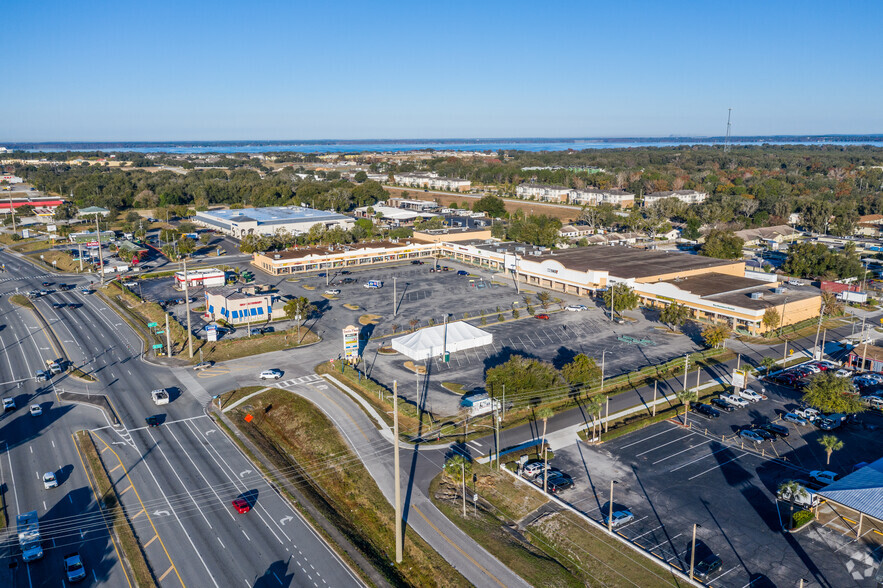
[10, 179]
[201, 278]
[685, 196]
[479, 404]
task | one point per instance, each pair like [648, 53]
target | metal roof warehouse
[270, 220]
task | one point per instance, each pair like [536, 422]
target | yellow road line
[105, 449]
[457, 547]
[331, 400]
[138, 496]
[116, 468]
[126, 490]
[166, 573]
[137, 514]
[146, 545]
[106, 525]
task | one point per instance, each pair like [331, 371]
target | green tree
[593, 407]
[298, 310]
[582, 371]
[360, 176]
[716, 334]
[770, 319]
[686, 397]
[458, 468]
[830, 394]
[65, 211]
[492, 205]
[830, 444]
[205, 238]
[543, 297]
[674, 315]
[792, 490]
[722, 245]
[768, 363]
[523, 376]
[186, 246]
[132, 217]
[622, 297]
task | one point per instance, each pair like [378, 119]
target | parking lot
[671, 477]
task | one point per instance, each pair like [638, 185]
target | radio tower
[727, 139]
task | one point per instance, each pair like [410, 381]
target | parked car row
[799, 376]
[539, 473]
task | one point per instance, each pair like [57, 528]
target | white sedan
[36, 410]
[576, 307]
[334, 292]
[49, 480]
[273, 374]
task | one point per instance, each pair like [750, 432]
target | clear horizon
[166, 72]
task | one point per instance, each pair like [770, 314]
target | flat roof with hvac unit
[270, 220]
[209, 277]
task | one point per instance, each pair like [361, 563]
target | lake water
[186, 147]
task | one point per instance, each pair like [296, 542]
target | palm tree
[793, 490]
[544, 413]
[768, 363]
[830, 444]
[686, 397]
[456, 466]
[594, 405]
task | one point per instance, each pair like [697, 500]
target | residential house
[772, 237]
[870, 225]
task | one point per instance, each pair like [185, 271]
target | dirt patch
[419, 369]
[454, 387]
[349, 306]
[308, 287]
[369, 319]
[535, 208]
[387, 351]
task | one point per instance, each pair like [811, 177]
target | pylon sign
[350, 342]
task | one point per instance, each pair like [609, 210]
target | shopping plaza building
[715, 290]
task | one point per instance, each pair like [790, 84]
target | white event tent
[434, 341]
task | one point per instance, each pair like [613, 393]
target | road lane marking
[139, 513]
[457, 547]
[691, 447]
[138, 496]
[166, 573]
[719, 465]
[682, 466]
[646, 438]
[126, 490]
[116, 468]
[146, 545]
[97, 501]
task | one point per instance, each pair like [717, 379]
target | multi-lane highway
[176, 481]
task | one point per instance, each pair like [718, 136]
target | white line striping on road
[222, 543]
[246, 536]
[664, 542]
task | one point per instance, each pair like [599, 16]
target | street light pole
[818, 328]
[100, 254]
[610, 508]
[693, 550]
[187, 310]
[395, 297]
[398, 491]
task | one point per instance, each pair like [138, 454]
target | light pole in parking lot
[610, 508]
[693, 549]
[395, 298]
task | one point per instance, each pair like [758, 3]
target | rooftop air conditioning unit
[778, 290]
[277, 256]
[757, 295]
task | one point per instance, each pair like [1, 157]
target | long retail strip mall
[715, 290]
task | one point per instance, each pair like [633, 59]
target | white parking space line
[647, 438]
[698, 459]
[664, 444]
[664, 542]
[678, 453]
[718, 466]
[647, 532]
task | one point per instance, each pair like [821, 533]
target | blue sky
[199, 70]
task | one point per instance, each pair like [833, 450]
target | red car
[544, 317]
[241, 505]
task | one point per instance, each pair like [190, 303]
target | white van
[873, 402]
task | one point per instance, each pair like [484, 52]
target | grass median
[63, 262]
[554, 549]
[301, 442]
[122, 527]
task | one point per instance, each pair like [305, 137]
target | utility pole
[693, 550]
[100, 254]
[504, 401]
[686, 370]
[818, 328]
[187, 309]
[655, 384]
[865, 347]
[610, 508]
[463, 472]
[497, 422]
[168, 338]
[727, 139]
[398, 491]
[395, 298]
[12, 211]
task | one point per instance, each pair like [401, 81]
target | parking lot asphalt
[671, 477]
